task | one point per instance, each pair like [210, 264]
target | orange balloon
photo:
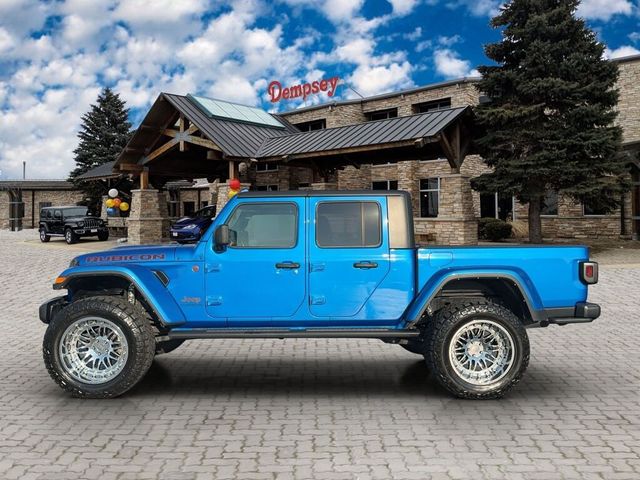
[116, 202]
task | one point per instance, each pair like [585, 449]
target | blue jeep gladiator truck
[309, 265]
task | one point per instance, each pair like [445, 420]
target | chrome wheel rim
[42, 235]
[68, 235]
[93, 350]
[481, 352]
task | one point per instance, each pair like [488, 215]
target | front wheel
[99, 347]
[477, 349]
[103, 236]
[44, 237]
[70, 237]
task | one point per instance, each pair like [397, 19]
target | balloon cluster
[115, 204]
[234, 187]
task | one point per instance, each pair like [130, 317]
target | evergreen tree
[550, 123]
[104, 132]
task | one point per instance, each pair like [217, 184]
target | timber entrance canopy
[188, 137]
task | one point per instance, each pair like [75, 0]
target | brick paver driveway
[343, 409]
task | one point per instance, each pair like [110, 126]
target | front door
[259, 279]
[348, 256]
[58, 222]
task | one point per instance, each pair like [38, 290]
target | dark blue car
[189, 229]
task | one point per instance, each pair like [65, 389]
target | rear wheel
[477, 349]
[99, 347]
[44, 237]
[70, 237]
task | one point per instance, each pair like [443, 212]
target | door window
[348, 224]
[273, 225]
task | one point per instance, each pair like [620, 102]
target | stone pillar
[103, 208]
[223, 194]
[324, 186]
[408, 181]
[4, 210]
[351, 178]
[456, 223]
[149, 218]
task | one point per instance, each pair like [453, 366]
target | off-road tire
[44, 237]
[70, 237]
[103, 236]
[134, 322]
[167, 346]
[451, 318]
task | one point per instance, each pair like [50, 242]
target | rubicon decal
[143, 257]
[277, 92]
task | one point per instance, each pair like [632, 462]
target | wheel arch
[507, 288]
[149, 288]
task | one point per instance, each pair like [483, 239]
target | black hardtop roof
[323, 193]
[62, 207]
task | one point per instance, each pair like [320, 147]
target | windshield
[75, 212]
[205, 213]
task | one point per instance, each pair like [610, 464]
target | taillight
[589, 272]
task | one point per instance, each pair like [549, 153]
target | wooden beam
[181, 127]
[144, 178]
[448, 150]
[203, 142]
[160, 150]
[130, 167]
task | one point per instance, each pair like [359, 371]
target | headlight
[191, 226]
[74, 263]
[81, 224]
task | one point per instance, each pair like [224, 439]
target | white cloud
[449, 64]
[480, 8]
[6, 40]
[146, 12]
[604, 9]
[370, 80]
[403, 7]
[620, 52]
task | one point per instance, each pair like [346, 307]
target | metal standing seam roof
[100, 172]
[236, 139]
[413, 127]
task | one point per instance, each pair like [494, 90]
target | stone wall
[629, 101]
[35, 198]
[462, 94]
[149, 218]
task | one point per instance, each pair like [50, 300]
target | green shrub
[493, 229]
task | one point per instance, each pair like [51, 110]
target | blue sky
[55, 56]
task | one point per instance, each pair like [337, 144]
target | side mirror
[221, 236]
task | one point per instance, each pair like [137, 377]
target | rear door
[348, 256]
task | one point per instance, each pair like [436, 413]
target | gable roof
[100, 172]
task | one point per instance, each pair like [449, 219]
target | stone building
[32, 195]
[428, 181]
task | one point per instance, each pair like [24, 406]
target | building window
[550, 204]
[174, 202]
[266, 167]
[429, 197]
[433, 106]
[497, 205]
[312, 125]
[267, 188]
[382, 114]
[44, 205]
[348, 224]
[593, 208]
[203, 204]
[384, 185]
[188, 208]
[262, 225]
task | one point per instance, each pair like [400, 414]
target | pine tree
[549, 125]
[104, 132]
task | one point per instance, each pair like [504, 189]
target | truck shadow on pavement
[257, 377]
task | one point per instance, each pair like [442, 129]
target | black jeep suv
[72, 223]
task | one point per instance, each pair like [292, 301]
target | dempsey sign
[277, 92]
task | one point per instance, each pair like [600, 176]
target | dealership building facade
[417, 140]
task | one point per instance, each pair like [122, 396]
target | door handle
[365, 265]
[288, 265]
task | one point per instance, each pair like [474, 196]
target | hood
[130, 254]
[81, 219]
